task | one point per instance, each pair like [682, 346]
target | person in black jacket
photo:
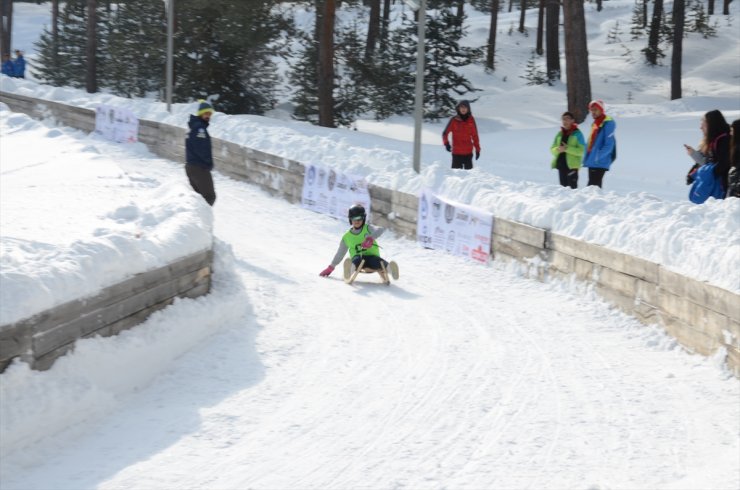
[733, 176]
[198, 156]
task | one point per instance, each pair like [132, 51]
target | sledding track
[455, 376]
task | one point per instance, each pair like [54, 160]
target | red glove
[327, 271]
[368, 242]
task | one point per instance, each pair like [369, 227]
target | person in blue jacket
[198, 154]
[8, 68]
[601, 150]
[19, 65]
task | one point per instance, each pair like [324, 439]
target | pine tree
[697, 20]
[137, 49]
[353, 76]
[534, 74]
[653, 52]
[303, 79]
[444, 85]
[639, 20]
[393, 82]
[614, 35]
[220, 47]
[67, 67]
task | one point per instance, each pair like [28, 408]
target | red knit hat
[598, 103]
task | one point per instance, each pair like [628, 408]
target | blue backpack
[706, 184]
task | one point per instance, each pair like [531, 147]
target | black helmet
[355, 211]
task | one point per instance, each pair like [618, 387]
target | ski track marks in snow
[457, 375]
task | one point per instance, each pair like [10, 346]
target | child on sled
[364, 252]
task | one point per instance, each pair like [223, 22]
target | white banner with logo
[330, 192]
[117, 124]
[456, 228]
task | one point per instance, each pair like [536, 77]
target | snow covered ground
[458, 375]
[644, 199]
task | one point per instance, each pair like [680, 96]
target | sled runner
[385, 274]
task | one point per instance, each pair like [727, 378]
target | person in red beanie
[601, 150]
[464, 137]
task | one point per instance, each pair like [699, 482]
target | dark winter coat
[719, 154]
[464, 133]
[19, 67]
[8, 68]
[198, 144]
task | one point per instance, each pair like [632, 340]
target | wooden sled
[349, 279]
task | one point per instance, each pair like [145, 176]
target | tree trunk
[326, 65]
[540, 27]
[91, 76]
[552, 33]
[55, 30]
[460, 11]
[726, 7]
[6, 26]
[523, 4]
[651, 54]
[644, 13]
[576, 59]
[599, 5]
[372, 29]
[710, 7]
[511, 5]
[491, 47]
[678, 19]
[384, 25]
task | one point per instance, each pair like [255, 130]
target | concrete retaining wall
[703, 318]
[43, 338]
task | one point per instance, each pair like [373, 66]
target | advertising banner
[117, 124]
[457, 228]
[330, 192]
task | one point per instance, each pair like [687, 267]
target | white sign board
[117, 124]
[456, 228]
[330, 192]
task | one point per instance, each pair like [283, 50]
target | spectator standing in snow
[198, 155]
[567, 151]
[464, 137]
[8, 68]
[714, 147]
[602, 145]
[733, 176]
[19, 65]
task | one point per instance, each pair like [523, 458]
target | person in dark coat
[8, 68]
[19, 65]
[733, 176]
[464, 137]
[713, 148]
[198, 154]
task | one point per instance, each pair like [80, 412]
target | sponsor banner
[330, 192]
[117, 124]
[457, 228]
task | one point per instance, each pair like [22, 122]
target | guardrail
[702, 317]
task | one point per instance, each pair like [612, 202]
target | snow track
[455, 376]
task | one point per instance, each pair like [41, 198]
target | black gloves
[477, 155]
[448, 147]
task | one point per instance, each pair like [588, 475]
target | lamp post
[170, 6]
[418, 6]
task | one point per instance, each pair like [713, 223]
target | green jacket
[574, 152]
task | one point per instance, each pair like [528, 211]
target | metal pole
[170, 45]
[419, 99]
